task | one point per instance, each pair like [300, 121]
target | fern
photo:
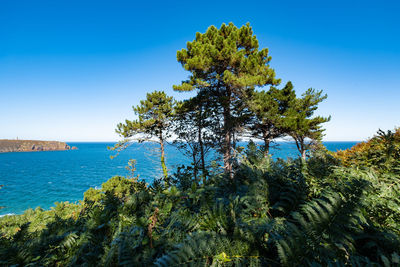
[323, 230]
[272, 213]
[203, 249]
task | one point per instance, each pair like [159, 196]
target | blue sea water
[33, 179]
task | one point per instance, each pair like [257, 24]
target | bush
[275, 213]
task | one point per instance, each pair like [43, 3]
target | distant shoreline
[7, 146]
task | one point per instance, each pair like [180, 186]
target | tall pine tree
[305, 129]
[270, 109]
[153, 123]
[193, 130]
[228, 64]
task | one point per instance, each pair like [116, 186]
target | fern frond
[328, 220]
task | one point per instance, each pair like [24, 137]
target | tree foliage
[270, 113]
[153, 123]
[228, 64]
[305, 129]
[381, 152]
[195, 132]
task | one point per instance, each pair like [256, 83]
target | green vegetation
[321, 209]
[306, 130]
[226, 65]
[193, 128]
[155, 115]
[272, 213]
[271, 110]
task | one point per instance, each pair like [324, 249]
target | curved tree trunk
[200, 139]
[303, 154]
[194, 166]
[202, 157]
[267, 143]
[163, 165]
[300, 146]
[227, 143]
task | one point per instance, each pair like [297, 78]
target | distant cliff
[32, 145]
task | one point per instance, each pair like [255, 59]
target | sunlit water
[33, 179]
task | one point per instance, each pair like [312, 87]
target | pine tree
[153, 123]
[192, 128]
[306, 130]
[228, 64]
[270, 109]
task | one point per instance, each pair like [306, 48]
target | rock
[74, 148]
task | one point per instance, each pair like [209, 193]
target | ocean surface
[33, 179]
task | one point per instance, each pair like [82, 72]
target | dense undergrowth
[331, 210]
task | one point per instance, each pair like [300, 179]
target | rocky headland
[32, 145]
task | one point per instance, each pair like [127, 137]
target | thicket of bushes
[333, 209]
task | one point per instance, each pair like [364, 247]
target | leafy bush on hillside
[381, 152]
[275, 213]
[379, 157]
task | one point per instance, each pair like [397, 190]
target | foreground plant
[274, 213]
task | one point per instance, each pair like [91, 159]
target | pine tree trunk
[227, 155]
[163, 165]
[303, 149]
[227, 137]
[194, 167]
[303, 154]
[203, 164]
[266, 146]
[300, 146]
[200, 139]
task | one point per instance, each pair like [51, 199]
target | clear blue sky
[71, 70]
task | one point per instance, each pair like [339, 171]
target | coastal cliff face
[32, 145]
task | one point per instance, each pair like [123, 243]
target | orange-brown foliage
[361, 151]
